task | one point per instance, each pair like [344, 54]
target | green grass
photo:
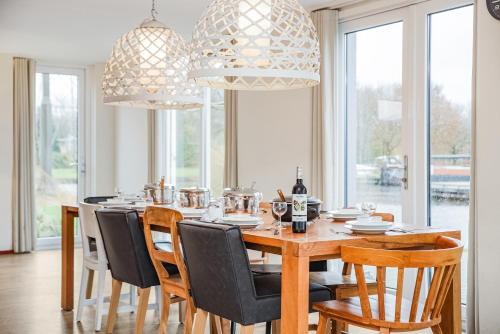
[64, 174]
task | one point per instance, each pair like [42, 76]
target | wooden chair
[387, 313]
[345, 286]
[174, 287]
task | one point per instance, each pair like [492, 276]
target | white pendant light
[255, 45]
[148, 69]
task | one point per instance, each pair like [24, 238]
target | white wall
[6, 148]
[131, 153]
[274, 136]
[488, 166]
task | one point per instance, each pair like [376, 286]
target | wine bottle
[299, 205]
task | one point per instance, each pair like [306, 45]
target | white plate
[115, 203]
[192, 213]
[241, 219]
[367, 231]
[369, 224]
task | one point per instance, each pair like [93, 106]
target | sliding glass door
[374, 64]
[57, 154]
[449, 121]
[406, 104]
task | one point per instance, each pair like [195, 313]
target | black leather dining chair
[221, 281]
[128, 258]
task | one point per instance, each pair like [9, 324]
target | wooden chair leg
[165, 309]
[113, 305]
[90, 282]
[246, 329]
[142, 307]
[189, 317]
[200, 321]
[322, 324]
[340, 327]
[276, 327]
[218, 323]
[436, 329]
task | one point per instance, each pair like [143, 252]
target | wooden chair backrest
[443, 257]
[387, 217]
[90, 229]
[164, 220]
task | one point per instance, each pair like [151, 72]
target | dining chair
[392, 313]
[222, 283]
[129, 261]
[169, 263]
[94, 260]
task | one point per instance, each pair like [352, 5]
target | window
[374, 117]
[449, 107]
[57, 153]
[406, 90]
[191, 150]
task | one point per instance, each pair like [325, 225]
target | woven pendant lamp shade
[255, 45]
[148, 69]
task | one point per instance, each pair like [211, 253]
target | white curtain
[152, 154]
[322, 183]
[231, 139]
[23, 208]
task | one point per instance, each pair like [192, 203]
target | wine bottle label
[299, 207]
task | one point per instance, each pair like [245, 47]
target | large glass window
[374, 117]
[56, 147]
[449, 107]
[191, 150]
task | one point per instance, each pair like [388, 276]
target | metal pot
[242, 200]
[196, 198]
[313, 209]
[158, 195]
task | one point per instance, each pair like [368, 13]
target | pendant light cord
[154, 12]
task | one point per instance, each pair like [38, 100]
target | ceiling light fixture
[255, 45]
[148, 69]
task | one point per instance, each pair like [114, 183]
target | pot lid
[195, 190]
[310, 200]
[242, 192]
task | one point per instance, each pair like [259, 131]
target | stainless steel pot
[197, 198]
[242, 200]
[158, 195]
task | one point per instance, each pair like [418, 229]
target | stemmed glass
[279, 208]
[368, 208]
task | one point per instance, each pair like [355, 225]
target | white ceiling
[83, 31]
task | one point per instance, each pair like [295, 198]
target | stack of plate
[243, 221]
[367, 226]
[345, 214]
[192, 212]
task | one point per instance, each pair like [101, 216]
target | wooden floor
[30, 300]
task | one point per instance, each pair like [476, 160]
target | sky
[379, 53]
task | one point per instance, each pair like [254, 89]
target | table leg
[295, 293]
[67, 250]
[451, 314]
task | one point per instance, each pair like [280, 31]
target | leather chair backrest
[218, 268]
[125, 246]
[97, 199]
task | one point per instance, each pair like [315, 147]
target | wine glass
[368, 208]
[279, 208]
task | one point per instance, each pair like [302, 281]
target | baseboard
[6, 252]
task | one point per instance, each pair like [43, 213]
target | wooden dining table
[322, 241]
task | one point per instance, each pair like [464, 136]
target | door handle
[404, 179]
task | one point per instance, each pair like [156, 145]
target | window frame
[83, 139]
